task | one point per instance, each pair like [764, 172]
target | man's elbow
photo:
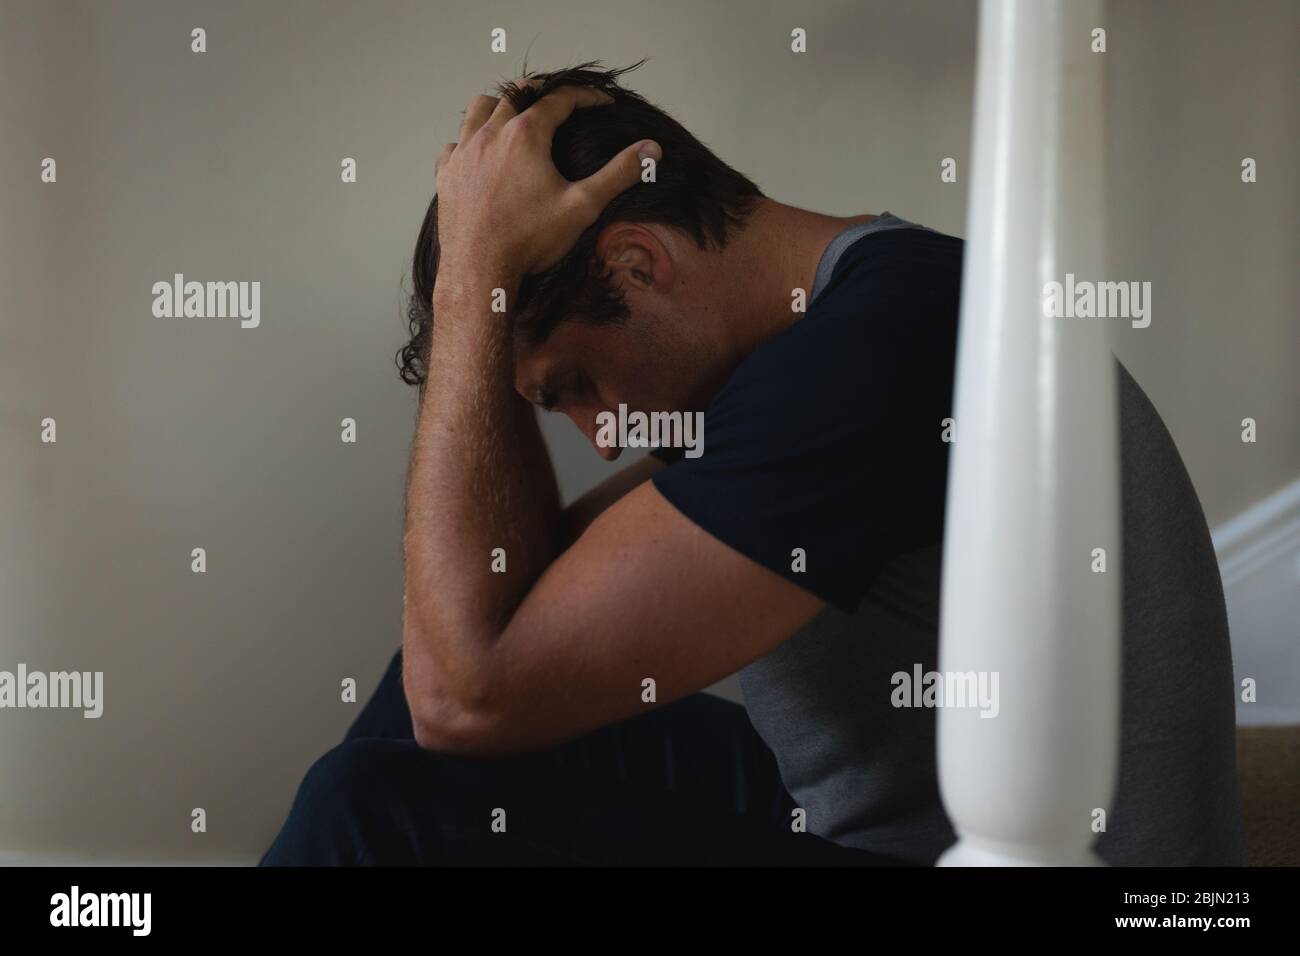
[451, 728]
[451, 720]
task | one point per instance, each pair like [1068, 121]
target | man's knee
[353, 773]
[338, 801]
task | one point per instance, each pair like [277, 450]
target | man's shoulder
[901, 260]
[880, 285]
[889, 312]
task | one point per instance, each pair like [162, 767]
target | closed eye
[574, 384]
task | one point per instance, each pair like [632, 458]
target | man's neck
[777, 252]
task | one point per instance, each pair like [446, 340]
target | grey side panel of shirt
[865, 771]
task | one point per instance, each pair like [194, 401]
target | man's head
[626, 316]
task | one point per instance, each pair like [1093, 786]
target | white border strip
[1260, 534]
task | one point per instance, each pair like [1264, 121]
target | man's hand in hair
[503, 207]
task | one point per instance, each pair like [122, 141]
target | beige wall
[172, 434]
[1195, 88]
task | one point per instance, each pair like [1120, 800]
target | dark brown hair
[694, 191]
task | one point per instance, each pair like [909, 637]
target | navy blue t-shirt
[828, 437]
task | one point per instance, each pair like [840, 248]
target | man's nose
[586, 420]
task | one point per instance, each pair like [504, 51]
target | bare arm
[580, 514]
[479, 480]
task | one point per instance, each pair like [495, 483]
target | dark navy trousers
[688, 783]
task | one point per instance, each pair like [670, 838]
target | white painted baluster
[1034, 481]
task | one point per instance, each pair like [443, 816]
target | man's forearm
[480, 480]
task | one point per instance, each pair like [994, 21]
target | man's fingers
[558, 105]
[505, 110]
[476, 115]
[619, 174]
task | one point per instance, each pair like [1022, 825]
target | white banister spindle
[1034, 480]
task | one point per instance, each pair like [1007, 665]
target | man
[585, 252]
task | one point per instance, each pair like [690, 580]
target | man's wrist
[475, 283]
[467, 312]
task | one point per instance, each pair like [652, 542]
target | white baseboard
[1259, 561]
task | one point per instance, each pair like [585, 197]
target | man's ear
[635, 258]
